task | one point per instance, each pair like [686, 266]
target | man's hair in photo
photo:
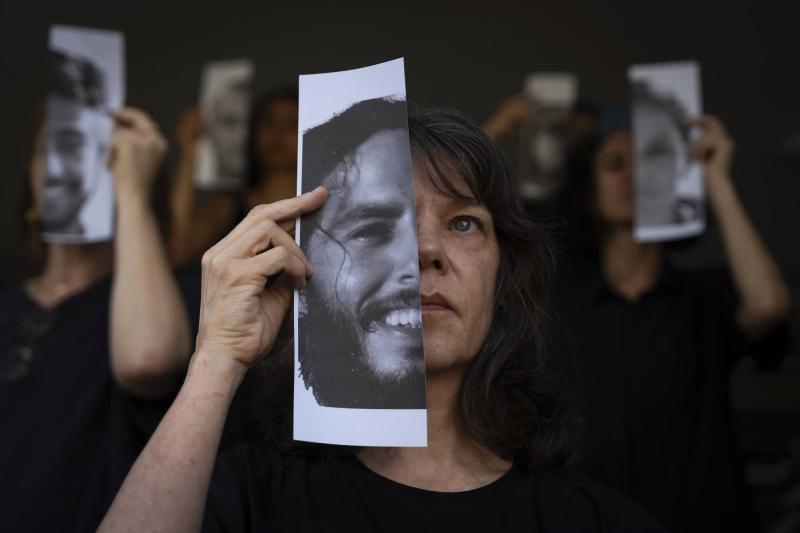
[509, 401]
[644, 94]
[77, 79]
[324, 148]
[326, 145]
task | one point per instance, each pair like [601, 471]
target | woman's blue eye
[463, 224]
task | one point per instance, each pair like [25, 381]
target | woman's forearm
[182, 205]
[150, 342]
[166, 488]
[763, 293]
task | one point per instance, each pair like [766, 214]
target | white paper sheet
[669, 188]
[221, 159]
[359, 365]
[543, 151]
[86, 75]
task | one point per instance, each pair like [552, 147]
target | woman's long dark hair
[510, 403]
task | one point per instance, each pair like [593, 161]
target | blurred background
[471, 55]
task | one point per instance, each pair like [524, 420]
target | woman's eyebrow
[466, 201]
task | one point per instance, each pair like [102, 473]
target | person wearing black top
[498, 428]
[654, 346]
[85, 349]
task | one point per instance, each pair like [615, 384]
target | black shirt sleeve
[721, 304]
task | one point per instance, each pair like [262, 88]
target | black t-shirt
[68, 435]
[652, 382]
[257, 489]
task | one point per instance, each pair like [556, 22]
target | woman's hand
[239, 315]
[510, 116]
[190, 128]
[137, 152]
[714, 149]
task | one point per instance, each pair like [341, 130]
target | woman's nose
[431, 250]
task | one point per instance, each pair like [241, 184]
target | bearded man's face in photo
[367, 297]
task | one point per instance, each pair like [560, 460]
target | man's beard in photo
[339, 373]
[60, 215]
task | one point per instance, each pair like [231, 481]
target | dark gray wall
[468, 55]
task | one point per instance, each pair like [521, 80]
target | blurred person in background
[88, 347]
[653, 346]
[271, 170]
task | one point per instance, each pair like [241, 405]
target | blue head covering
[616, 117]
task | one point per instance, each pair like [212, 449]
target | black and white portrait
[359, 332]
[225, 106]
[78, 203]
[361, 342]
[543, 150]
[669, 193]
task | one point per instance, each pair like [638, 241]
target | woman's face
[277, 137]
[458, 262]
[613, 171]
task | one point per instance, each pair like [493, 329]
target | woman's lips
[434, 302]
[434, 308]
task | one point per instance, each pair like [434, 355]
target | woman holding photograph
[499, 429]
[85, 346]
[653, 345]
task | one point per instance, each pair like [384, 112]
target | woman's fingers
[292, 208]
[282, 212]
[135, 118]
[279, 260]
[709, 123]
[261, 237]
[701, 147]
[714, 137]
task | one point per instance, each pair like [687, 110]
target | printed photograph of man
[360, 336]
[661, 144]
[76, 141]
[225, 108]
[227, 127]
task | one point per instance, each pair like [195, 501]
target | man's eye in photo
[70, 150]
[659, 148]
[375, 232]
[67, 144]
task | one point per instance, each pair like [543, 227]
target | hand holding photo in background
[85, 81]
[359, 364]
